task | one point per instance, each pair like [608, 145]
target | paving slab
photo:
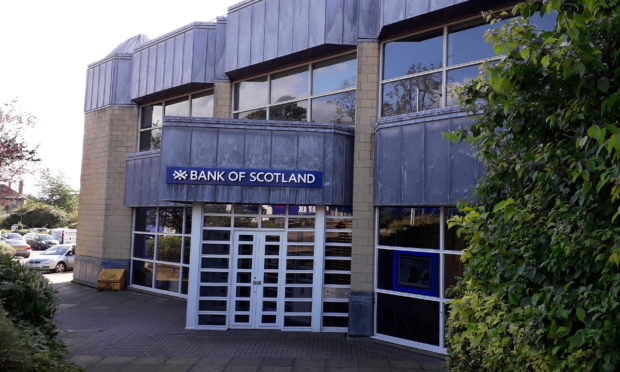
[134, 331]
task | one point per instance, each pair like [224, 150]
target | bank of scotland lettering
[243, 177]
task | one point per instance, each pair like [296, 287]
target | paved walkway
[132, 331]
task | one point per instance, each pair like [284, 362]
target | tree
[36, 214]
[54, 190]
[15, 153]
[541, 287]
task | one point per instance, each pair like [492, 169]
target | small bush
[6, 250]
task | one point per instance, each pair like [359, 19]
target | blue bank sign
[243, 177]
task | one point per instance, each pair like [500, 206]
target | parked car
[22, 249]
[58, 258]
[64, 236]
[11, 235]
[40, 241]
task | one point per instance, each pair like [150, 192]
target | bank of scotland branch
[284, 168]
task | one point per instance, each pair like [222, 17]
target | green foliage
[541, 288]
[27, 333]
[55, 191]
[6, 250]
[38, 214]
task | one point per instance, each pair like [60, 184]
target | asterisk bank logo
[179, 175]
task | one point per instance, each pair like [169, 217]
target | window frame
[309, 98]
[444, 69]
[163, 102]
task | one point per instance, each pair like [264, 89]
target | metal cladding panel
[393, 11]
[258, 33]
[107, 83]
[350, 24]
[390, 144]
[334, 14]
[232, 38]
[417, 7]
[210, 56]
[199, 55]
[219, 143]
[122, 80]
[150, 70]
[177, 69]
[316, 27]
[245, 36]
[368, 18]
[160, 66]
[412, 163]
[272, 7]
[416, 166]
[100, 85]
[301, 14]
[285, 29]
[135, 74]
[188, 51]
[168, 63]
[220, 50]
[437, 164]
[144, 62]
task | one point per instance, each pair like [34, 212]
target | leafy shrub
[541, 288]
[6, 250]
[37, 214]
[27, 296]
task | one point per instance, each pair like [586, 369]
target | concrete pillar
[361, 308]
[222, 99]
[104, 223]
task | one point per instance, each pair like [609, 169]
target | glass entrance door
[257, 282]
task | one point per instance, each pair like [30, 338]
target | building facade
[284, 167]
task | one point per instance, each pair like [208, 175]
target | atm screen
[416, 272]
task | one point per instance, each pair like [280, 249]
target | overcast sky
[46, 47]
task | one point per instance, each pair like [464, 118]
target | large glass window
[418, 259]
[151, 116]
[161, 246]
[423, 72]
[319, 92]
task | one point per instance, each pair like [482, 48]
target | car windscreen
[46, 237]
[55, 251]
[13, 236]
[15, 242]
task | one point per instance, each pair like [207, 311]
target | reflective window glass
[151, 116]
[167, 277]
[289, 85]
[218, 208]
[409, 227]
[143, 246]
[294, 111]
[411, 95]
[251, 93]
[150, 139]
[467, 43]
[145, 219]
[457, 78]
[177, 107]
[408, 318]
[336, 108]
[260, 114]
[421, 53]
[169, 248]
[142, 273]
[335, 74]
[171, 220]
[202, 105]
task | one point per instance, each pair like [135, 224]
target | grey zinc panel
[203, 153]
[107, 88]
[232, 37]
[177, 70]
[159, 67]
[220, 51]
[350, 24]
[334, 21]
[417, 7]
[465, 168]
[89, 85]
[199, 63]
[272, 7]
[150, 70]
[245, 37]
[389, 173]
[368, 18]
[144, 61]
[340, 190]
[100, 84]
[310, 157]
[211, 54]
[412, 166]
[284, 156]
[393, 11]
[152, 178]
[135, 74]
[437, 164]
[188, 50]
[329, 188]
[257, 155]
[438, 4]
[316, 27]
[123, 82]
[176, 138]
[285, 28]
[95, 102]
[301, 13]
[258, 32]
[230, 153]
[346, 172]
[168, 63]
[129, 186]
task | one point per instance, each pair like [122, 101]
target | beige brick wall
[104, 224]
[222, 99]
[362, 265]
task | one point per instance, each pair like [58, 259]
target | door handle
[257, 282]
